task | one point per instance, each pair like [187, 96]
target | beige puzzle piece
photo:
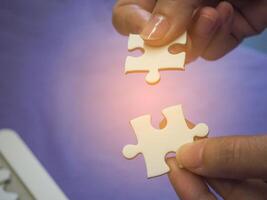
[154, 58]
[154, 144]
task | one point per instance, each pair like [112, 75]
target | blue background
[62, 88]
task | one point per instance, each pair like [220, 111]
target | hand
[235, 167]
[215, 27]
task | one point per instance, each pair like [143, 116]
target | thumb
[130, 16]
[238, 157]
[170, 18]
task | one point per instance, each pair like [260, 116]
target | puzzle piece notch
[155, 144]
[154, 58]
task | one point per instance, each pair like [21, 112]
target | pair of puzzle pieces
[154, 58]
[154, 144]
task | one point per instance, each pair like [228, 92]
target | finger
[170, 18]
[130, 16]
[186, 184]
[256, 22]
[233, 189]
[190, 124]
[202, 31]
[223, 42]
[245, 24]
[226, 157]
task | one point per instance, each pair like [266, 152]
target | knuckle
[230, 151]
[227, 152]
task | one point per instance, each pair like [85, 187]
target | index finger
[130, 16]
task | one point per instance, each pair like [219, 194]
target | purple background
[62, 88]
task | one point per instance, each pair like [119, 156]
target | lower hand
[235, 167]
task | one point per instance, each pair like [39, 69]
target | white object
[154, 144]
[7, 195]
[28, 168]
[4, 177]
[154, 58]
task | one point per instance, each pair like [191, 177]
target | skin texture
[234, 167]
[215, 27]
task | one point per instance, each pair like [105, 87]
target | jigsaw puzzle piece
[130, 151]
[154, 58]
[135, 42]
[154, 164]
[200, 130]
[176, 121]
[154, 144]
[154, 158]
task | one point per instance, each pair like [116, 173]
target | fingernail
[156, 28]
[205, 25]
[190, 155]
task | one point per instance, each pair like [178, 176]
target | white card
[27, 170]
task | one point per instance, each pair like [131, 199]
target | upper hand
[215, 27]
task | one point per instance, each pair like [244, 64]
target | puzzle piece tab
[154, 144]
[154, 58]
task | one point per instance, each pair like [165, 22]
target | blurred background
[62, 88]
[258, 42]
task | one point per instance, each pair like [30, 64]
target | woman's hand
[235, 167]
[215, 27]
